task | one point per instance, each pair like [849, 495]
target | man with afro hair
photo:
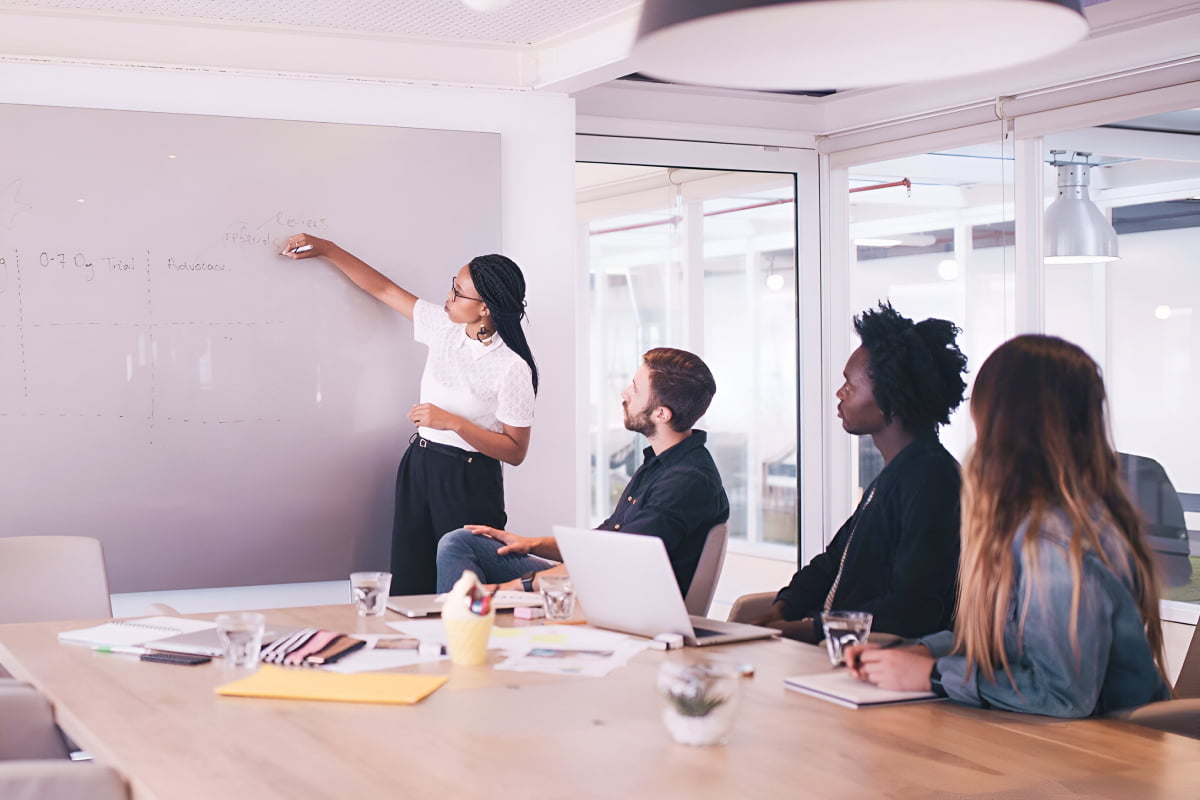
[897, 556]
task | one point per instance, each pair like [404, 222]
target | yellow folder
[309, 684]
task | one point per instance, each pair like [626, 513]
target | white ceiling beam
[1124, 143]
[587, 57]
[142, 42]
[1124, 36]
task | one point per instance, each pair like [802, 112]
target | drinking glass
[241, 636]
[844, 628]
[369, 592]
[558, 596]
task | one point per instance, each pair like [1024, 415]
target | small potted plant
[701, 700]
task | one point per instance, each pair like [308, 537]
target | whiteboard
[216, 414]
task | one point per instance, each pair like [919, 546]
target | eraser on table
[528, 612]
[431, 649]
[668, 641]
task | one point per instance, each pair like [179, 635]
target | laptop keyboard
[702, 633]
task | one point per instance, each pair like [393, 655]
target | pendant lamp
[842, 44]
[1076, 231]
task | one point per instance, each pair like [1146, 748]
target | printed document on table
[565, 649]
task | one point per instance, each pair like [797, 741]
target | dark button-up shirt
[677, 496]
[903, 557]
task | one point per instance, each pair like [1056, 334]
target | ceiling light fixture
[1076, 231]
[837, 44]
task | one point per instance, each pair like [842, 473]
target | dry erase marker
[125, 651]
[304, 248]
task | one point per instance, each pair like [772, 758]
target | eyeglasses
[457, 294]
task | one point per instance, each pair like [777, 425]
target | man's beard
[643, 423]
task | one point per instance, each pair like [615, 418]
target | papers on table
[839, 686]
[564, 649]
[377, 655]
[554, 649]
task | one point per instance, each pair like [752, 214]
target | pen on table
[125, 651]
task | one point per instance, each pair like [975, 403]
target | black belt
[448, 450]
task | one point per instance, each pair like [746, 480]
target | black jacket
[903, 559]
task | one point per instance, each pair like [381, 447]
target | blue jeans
[462, 550]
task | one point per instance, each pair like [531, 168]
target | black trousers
[439, 489]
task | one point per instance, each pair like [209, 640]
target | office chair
[59, 780]
[1181, 715]
[52, 578]
[28, 730]
[750, 607]
[708, 571]
[1166, 528]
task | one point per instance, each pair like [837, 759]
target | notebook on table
[839, 686]
[134, 632]
[625, 583]
[424, 605]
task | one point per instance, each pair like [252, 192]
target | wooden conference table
[507, 734]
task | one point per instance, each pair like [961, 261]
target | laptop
[207, 643]
[424, 605]
[624, 582]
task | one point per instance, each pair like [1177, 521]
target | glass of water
[844, 628]
[241, 636]
[369, 592]
[558, 596]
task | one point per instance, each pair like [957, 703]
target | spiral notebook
[838, 686]
[133, 632]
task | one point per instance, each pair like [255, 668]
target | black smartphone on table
[176, 658]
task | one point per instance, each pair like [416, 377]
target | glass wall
[703, 260]
[1135, 317]
[933, 234]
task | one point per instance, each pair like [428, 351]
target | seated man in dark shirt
[675, 495]
[897, 556]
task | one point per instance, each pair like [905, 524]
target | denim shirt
[1113, 667]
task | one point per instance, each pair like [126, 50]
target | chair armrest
[59, 780]
[751, 606]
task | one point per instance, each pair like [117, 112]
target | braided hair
[916, 369]
[500, 284]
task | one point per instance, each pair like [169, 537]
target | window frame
[802, 164]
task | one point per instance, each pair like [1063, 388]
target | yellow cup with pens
[468, 613]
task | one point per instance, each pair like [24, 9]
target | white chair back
[51, 578]
[708, 570]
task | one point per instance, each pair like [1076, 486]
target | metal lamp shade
[1076, 231]
[835, 44]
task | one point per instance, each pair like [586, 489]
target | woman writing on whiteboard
[476, 406]
[1057, 594]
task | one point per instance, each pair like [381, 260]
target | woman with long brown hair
[1057, 598]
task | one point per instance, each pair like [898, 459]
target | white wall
[537, 190]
